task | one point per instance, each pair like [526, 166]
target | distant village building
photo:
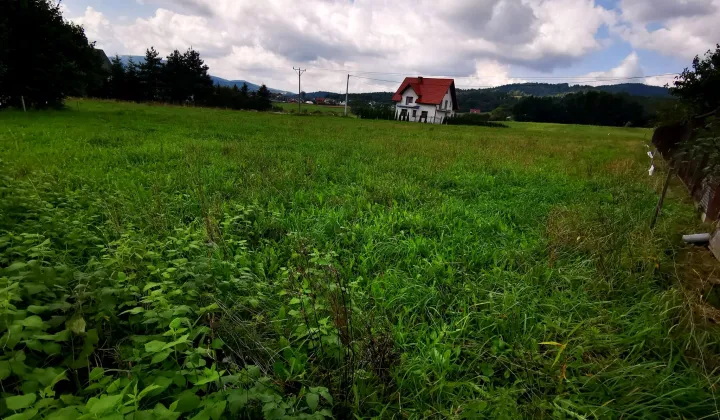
[424, 99]
[475, 111]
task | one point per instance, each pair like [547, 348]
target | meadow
[165, 262]
[316, 109]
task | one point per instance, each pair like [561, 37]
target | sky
[480, 43]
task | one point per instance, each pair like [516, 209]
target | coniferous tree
[133, 85]
[116, 82]
[43, 58]
[151, 75]
[198, 80]
[175, 78]
[262, 99]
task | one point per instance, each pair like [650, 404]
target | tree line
[589, 108]
[44, 59]
[182, 78]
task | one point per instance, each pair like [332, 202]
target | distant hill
[551, 89]
[488, 99]
[229, 83]
[125, 59]
[319, 94]
[637, 89]
[252, 87]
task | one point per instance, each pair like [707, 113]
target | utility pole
[299, 72]
[347, 88]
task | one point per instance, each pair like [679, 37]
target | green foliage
[152, 82]
[373, 112]
[501, 113]
[591, 108]
[43, 58]
[169, 262]
[698, 88]
[181, 79]
[485, 100]
[234, 98]
[185, 76]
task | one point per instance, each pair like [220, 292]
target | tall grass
[412, 270]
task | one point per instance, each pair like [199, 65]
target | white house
[424, 99]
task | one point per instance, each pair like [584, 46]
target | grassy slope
[468, 246]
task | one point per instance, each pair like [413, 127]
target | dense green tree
[43, 58]
[699, 88]
[175, 78]
[590, 108]
[198, 79]
[500, 113]
[116, 81]
[185, 77]
[133, 85]
[262, 99]
[151, 75]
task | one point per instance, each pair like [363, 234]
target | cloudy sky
[478, 42]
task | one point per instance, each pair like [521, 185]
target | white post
[22, 99]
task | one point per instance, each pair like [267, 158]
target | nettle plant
[131, 333]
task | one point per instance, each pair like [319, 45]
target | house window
[408, 100]
[414, 113]
[445, 104]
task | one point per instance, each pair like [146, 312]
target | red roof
[429, 90]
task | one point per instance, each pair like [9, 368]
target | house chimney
[420, 80]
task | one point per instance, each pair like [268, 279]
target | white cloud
[687, 27]
[660, 80]
[99, 29]
[261, 41]
[628, 71]
[629, 67]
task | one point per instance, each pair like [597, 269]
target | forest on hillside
[487, 100]
[633, 103]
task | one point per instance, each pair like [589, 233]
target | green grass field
[324, 109]
[158, 262]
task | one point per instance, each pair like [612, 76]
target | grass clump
[167, 262]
